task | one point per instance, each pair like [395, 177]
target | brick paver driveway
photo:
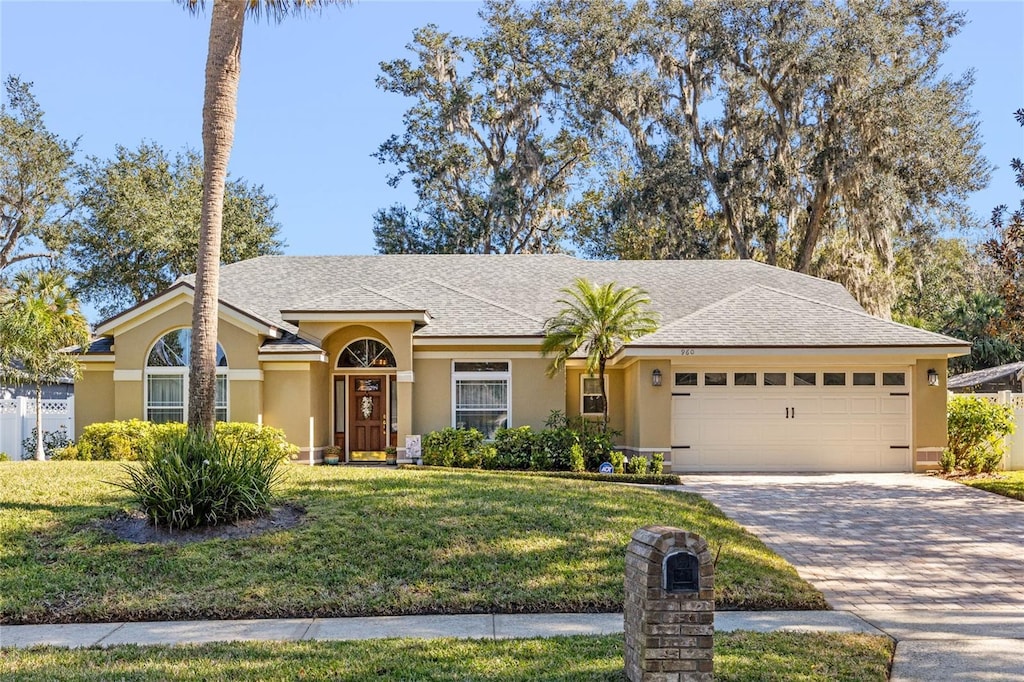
[876, 542]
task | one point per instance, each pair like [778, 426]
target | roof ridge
[803, 275]
[334, 295]
[506, 308]
[861, 313]
[709, 306]
[382, 294]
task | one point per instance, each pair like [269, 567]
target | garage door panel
[864, 431]
[896, 434]
[832, 432]
[861, 405]
[835, 406]
[895, 405]
[732, 407]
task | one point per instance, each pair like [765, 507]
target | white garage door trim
[776, 419]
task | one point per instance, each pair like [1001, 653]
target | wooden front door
[367, 418]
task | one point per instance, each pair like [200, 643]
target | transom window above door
[366, 354]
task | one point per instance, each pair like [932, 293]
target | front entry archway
[365, 401]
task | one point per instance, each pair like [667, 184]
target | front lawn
[372, 542]
[739, 657]
[1007, 483]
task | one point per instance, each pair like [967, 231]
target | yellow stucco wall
[929, 409]
[534, 395]
[652, 407]
[245, 400]
[286, 396]
[132, 346]
[431, 395]
[94, 395]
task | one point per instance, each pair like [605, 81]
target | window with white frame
[481, 395]
[591, 400]
[167, 379]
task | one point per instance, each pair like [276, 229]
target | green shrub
[120, 440]
[977, 432]
[52, 442]
[576, 460]
[488, 457]
[136, 440]
[453, 447]
[597, 444]
[192, 480]
[4, 457]
[515, 448]
[617, 460]
[468, 454]
[637, 465]
[657, 464]
[68, 452]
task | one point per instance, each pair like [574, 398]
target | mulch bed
[135, 527]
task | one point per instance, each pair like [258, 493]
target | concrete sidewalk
[470, 626]
[931, 645]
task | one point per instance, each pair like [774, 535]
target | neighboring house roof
[713, 303]
[984, 376]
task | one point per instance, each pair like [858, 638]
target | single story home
[989, 380]
[753, 368]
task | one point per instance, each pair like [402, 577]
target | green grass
[1006, 483]
[373, 542]
[739, 656]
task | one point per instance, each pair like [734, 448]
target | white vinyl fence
[18, 418]
[1015, 451]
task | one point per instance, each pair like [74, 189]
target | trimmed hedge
[137, 440]
[644, 479]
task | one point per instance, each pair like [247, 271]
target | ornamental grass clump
[191, 481]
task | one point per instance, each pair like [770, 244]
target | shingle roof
[719, 303]
[765, 316]
[982, 376]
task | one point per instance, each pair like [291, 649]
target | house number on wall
[687, 351]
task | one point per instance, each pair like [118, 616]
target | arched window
[366, 353]
[167, 378]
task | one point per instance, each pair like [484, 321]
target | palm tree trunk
[220, 100]
[604, 396]
[40, 450]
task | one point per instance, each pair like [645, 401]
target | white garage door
[791, 420]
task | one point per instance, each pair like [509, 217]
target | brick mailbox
[670, 606]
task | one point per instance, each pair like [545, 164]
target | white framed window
[591, 403]
[166, 383]
[481, 395]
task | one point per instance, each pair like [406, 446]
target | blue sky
[310, 115]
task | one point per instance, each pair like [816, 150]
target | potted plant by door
[332, 455]
[391, 455]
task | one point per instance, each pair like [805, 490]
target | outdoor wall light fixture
[933, 378]
[656, 378]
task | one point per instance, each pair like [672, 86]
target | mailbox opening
[681, 572]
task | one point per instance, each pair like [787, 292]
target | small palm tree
[598, 320]
[39, 318]
[220, 108]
